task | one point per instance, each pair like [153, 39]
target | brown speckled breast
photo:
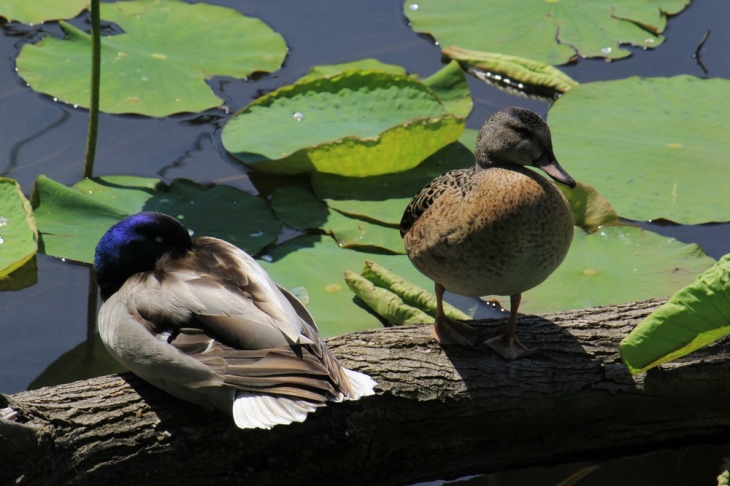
[499, 232]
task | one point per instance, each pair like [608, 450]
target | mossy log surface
[439, 413]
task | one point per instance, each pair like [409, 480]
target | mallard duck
[498, 228]
[204, 322]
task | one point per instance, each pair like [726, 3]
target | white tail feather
[361, 383]
[251, 411]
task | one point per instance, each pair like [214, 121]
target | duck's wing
[455, 181]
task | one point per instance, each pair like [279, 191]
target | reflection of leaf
[384, 198]
[23, 277]
[650, 158]
[590, 209]
[694, 317]
[87, 360]
[549, 31]
[72, 220]
[449, 84]
[39, 11]
[614, 265]
[159, 65]
[517, 69]
[299, 208]
[315, 266]
[18, 233]
[355, 123]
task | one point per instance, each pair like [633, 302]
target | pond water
[40, 136]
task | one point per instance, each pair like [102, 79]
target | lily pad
[39, 11]
[384, 198]
[20, 278]
[298, 207]
[313, 268]
[355, 123]
[72, 220]
[552, 32]
[614, 265]
[694, 317]
[159, 65]
[652, 159]
[450, 85]
[371, 64]
[513, 70]
[591, 211]
[18, 232]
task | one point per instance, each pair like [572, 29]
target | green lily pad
[384, 198]
[652, 159]
[159, 65]
[368, 64]
[591, 211]
[554, 32]
[355, 123]
[39, 11]
[313, 268]
[694, 317]
[18, 232]
[450, 85]
[72, 220]
[614, 265]
[20, 278]
[298, 207]
[518, 71]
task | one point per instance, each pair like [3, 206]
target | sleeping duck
[497, 228]
[204, 322]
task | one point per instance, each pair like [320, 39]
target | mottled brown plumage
[494, 229]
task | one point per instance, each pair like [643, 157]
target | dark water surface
[40, 136]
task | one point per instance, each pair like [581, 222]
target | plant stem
[94, 102]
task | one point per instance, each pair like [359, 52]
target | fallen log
[439, 413]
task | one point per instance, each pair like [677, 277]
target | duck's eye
[158, 239]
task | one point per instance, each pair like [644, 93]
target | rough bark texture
[439, 413]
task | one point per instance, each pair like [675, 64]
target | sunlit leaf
[449, 84]
[651, 158]
[298, 207]
[355, 123]
[72, 220]
[371, 64]
[694, 317]
[549, 31]
[614, 265]
[384, 198]
[39, 11]
[20, 278]
[159, 65]
[590, 209]
[18, 232]
[314, 266]
[384, 302]
[518, 70]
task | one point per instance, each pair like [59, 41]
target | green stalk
[94, 102]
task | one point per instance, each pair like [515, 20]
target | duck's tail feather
[251, 411]
[361, 384]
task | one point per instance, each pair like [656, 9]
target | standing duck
[498, 228]
[204, 322]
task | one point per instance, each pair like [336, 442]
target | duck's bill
[550, 166]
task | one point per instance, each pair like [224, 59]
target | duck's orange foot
[446, 331]
[509, 347]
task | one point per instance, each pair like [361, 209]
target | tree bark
[439, 413]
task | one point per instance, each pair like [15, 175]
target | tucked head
[134, 245]
[518, 136]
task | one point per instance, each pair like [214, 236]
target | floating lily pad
[313, 268]
[20, 278]
[159, 65]
[514, 70]
[591, 211]
[371, 64]
[298, 207]
[72, 220]
[554, 32]
[39, 11]
[694, 317]
[651, 158]
[18, 232]
[384, 198]
[450, 85]
[614, 265]
[355, 123]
